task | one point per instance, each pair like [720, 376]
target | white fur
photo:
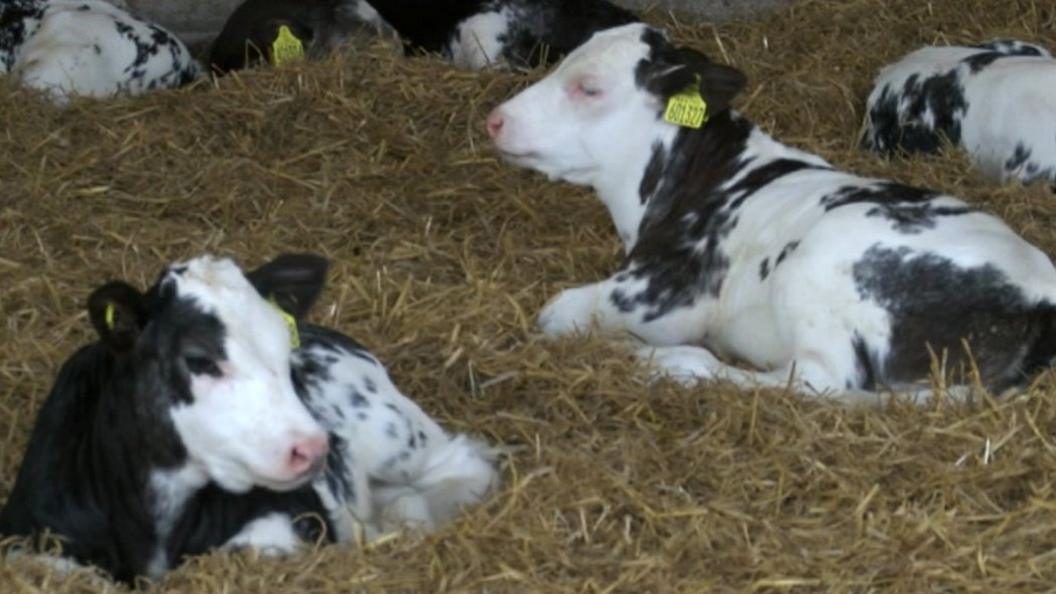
[795, 326]
[394, 483]
[1010, 104]
[73, 50]
[170, 490]
[476, 41]
[271, 535]
[242, 425]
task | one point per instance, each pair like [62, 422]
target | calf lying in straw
[994, 100]
[482, 33]
[206, 416]
[88, 47]
[279, 31]
[745, 248]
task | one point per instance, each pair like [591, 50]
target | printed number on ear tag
[687, 108]
[286, 48]
[291, 324]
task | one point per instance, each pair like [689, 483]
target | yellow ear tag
[108, 316]
[286, 48]
[687, 108]
[291, 324]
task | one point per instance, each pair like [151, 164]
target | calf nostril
[494, 123]
[308, 454]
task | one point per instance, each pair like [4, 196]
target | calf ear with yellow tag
[286, 48]
[687, 108]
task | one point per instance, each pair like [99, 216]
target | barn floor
[442, 257]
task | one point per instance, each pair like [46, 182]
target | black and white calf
[193, 424]
[319, 26]
[997, 101]
[742, 247]
[520, 33]
[88, 47]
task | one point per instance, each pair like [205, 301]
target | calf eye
[585, 88]
[202, 366]
[589, 91]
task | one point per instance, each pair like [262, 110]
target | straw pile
[442, 257]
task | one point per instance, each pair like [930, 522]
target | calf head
[602, 106]
[317, 26]
[208, 350]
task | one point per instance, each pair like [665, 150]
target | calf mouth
[296, 482]
[524, 159]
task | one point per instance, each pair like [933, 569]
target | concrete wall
[197, 21]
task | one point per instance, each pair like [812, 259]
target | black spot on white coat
[520, 33]
[127, 55]
[988, 100]
[126, 499]
[741, 246]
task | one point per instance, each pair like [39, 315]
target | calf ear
[294, 281]
[673, 70]
[119, 313]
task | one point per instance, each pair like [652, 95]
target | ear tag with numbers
[286, 48]
[687, 108]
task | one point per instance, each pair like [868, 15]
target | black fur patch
[680, 244]
[14, 15]
[910, 210]
[940, 95]
[540, 31]
[934, 303]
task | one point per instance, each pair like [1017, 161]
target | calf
[206, 416]
[252, 31]
[994, 100]
[88, 47]
[520, 33]
[742, 247]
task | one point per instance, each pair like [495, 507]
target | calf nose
[494, 123]
[308, 454]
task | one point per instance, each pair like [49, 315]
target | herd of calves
[209, 415]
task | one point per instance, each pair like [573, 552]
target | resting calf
[520, 33]
[995, 100]
[88, 47]
[317, 26]
[745, 248]
[201, 419]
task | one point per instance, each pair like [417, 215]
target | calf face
[602, 103]
[210, 353]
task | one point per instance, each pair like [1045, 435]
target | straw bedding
[443, 255]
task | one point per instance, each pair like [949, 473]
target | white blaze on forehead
[619, 47]
[220, 287]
